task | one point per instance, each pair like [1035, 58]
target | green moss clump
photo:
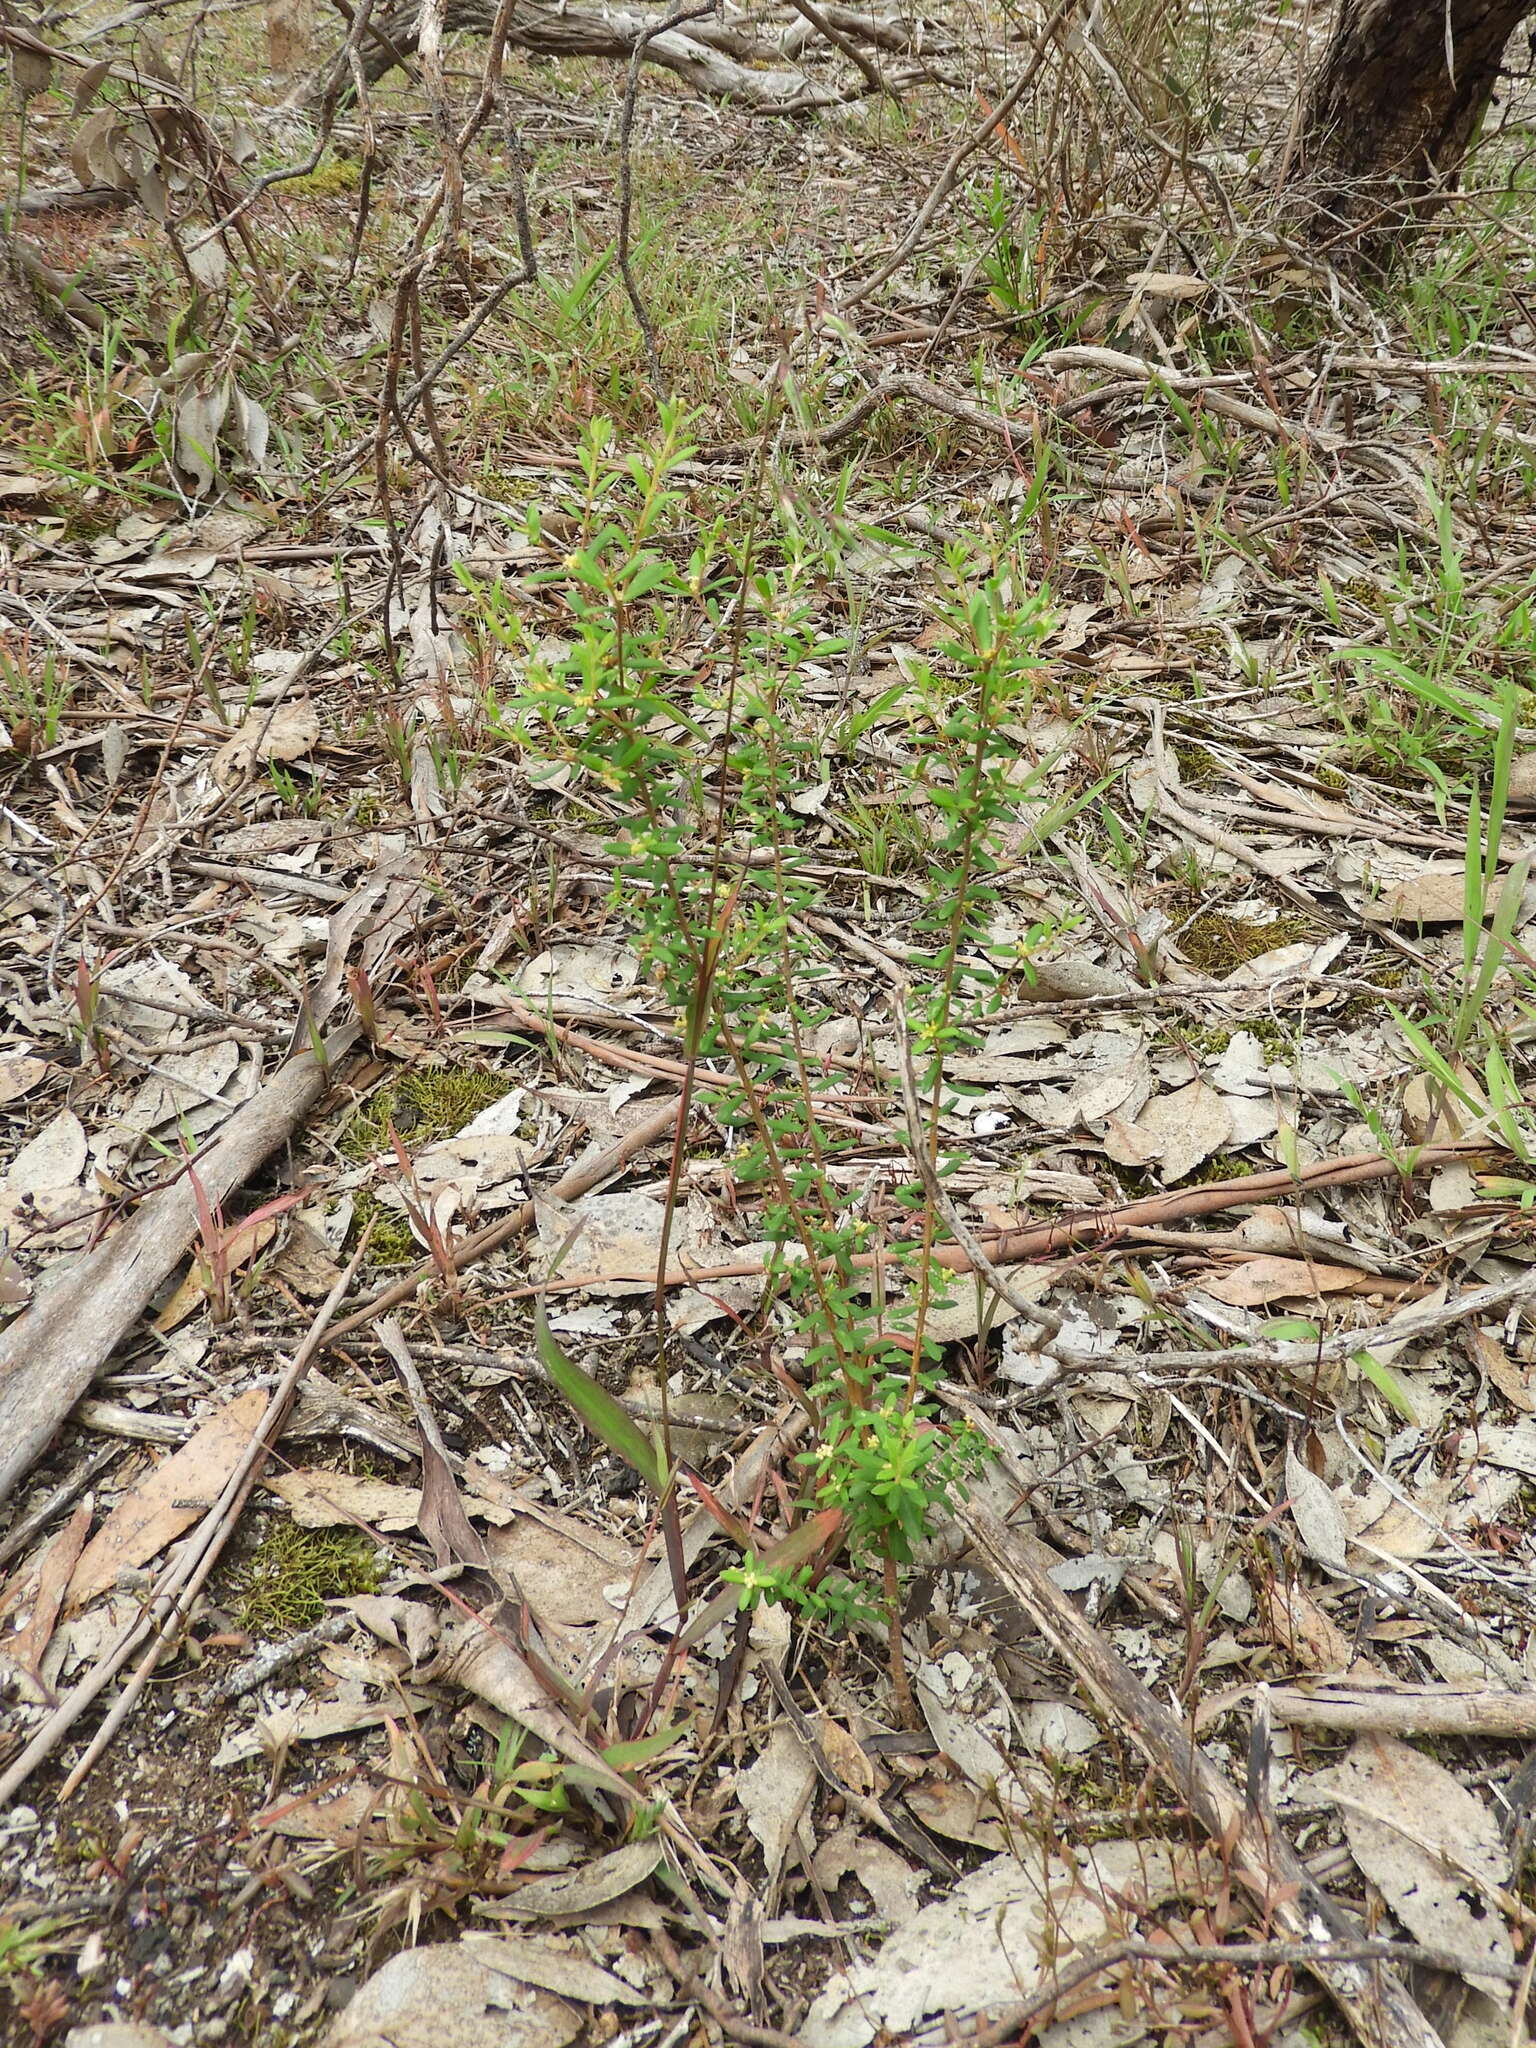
[1197, 767]
[432, 1102]
[284, 1584]
[1210, 1041]
[391, 1242]
[1206, 1042]
[1220, 1166]
[1216, 943]
[342, 174]
[1275, 1041]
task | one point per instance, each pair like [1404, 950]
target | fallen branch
[1411, 1710]
[1139, 379]
[541, 1026]
[902, 38]
[1409, 1326]
[51, 1354]
[900, 384]
[1080, 1227]
[44, 278]
[1368, 1993]
[868, 70]
[719, 60]
[73, 199]
[62, 1496]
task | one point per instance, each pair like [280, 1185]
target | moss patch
[1209, 1042]
[1197, 767]
[391, 1243]
[284, 1584]
[1221, 1166]
[342, 174]
[1216, 942]
[433, 1102]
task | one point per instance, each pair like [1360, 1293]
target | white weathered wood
[52, 1353]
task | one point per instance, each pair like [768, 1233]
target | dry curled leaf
[319, 1499]
[774, 1793]
[448, 1996]
[1260, 1281]
[1512, 1379]
[987, 1944]
[286, 734]
[169, 1499]
[1430, 1847]
[586, 1888]
[1318, 1517]
[1437, 894]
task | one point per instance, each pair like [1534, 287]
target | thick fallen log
[50, 1355]
[720, 59]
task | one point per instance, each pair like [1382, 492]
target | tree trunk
[1398, 100]
[21, 319]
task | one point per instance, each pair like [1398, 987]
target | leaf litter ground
[1274, 1439]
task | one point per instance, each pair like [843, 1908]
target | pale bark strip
[1369, 1994]
[51, 1354]
[1411, 1710]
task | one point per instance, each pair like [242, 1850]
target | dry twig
[181, 1581]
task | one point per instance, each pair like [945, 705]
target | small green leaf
[629, 1756]
[1291, 1330]
[1385, 1384]
[603, 1415]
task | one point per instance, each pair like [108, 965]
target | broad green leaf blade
[630, 1756]
[608, 1421]
[1385, 1383]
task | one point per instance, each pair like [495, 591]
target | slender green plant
[691, 770]
[1452, 1046]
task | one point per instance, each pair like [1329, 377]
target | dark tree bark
[24, 321]
[1402, 89]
